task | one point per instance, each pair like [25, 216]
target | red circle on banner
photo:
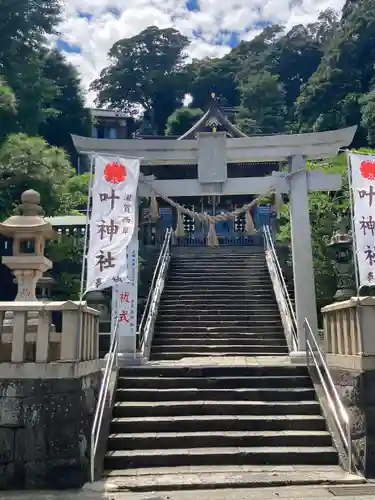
[368, 169]
[115, 172]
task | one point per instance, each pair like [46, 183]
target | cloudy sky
[90, 27]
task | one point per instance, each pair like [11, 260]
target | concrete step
[221, 439]
[151, 370]
[252, 321]
[181, 408]
[292, 455]
[219, 274]
[235, 257]
[214, 328]
[226, 382]
[217, 287]
[240, 296]
[212, 314]
[176, 308]
[167, 340]
[177, 356]
[234, 293]
[219, 315]
[193, 394]
[212, 283]
[210, 479]
[217, 301]
[208, 423]
[208, 350]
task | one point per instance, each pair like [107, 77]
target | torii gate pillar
[303, 270]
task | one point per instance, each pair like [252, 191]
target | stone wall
[45, 428]
[357, 392]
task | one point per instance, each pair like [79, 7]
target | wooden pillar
[303, 272]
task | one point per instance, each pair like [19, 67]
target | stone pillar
[303, 271]
[350, 355]
[29, 231]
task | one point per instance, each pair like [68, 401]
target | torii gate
[213, 150]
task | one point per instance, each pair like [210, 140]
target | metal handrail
[336, 407]
[288, 306]
[163, 251]
[155, 294]
[111, 362]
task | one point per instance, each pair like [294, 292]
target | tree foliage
[263, 102]
[147, 71]
[333, 95]
[182, 120]
[30, 163]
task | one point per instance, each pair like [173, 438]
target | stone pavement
[283, 493]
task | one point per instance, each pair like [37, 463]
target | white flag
[363, 188]
[125, 295]
[112, 221]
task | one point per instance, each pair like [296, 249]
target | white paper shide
[363, 190]
[112, 221]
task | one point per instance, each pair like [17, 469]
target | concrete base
[125, 359]
[298, 357]
[356, 390]
[45, 427]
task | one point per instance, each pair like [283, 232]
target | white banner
[112, 221]
[125, 295]
[363, 189]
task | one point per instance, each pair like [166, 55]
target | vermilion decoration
[368, 169]
[115, 172]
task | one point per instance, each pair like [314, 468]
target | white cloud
[96, 34]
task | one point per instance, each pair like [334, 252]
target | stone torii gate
[212, 151]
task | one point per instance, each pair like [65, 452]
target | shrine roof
[213, 119]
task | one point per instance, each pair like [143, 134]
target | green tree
[263, 102]
[213, 75]
[332, 97]
[367, 103]
[70, 114]
[8, 109]
[182, 120]
[30, 163]
[146, 70]
[25, 23]
[66, 255]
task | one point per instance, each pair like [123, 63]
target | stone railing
[29, 335]
[346, 324]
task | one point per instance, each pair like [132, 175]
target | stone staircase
[218, 305]
[220, 390]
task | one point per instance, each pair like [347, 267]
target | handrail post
[335, 406]
[111, 362]
[281, 290]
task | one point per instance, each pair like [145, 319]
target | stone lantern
[29, 231]
[341, 243]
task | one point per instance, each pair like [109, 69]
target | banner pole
[351, 207]
[85, 242]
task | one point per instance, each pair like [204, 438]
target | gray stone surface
[357, 391]
[96, 493]
[44, 431]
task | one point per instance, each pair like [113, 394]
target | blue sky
[91, 27]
